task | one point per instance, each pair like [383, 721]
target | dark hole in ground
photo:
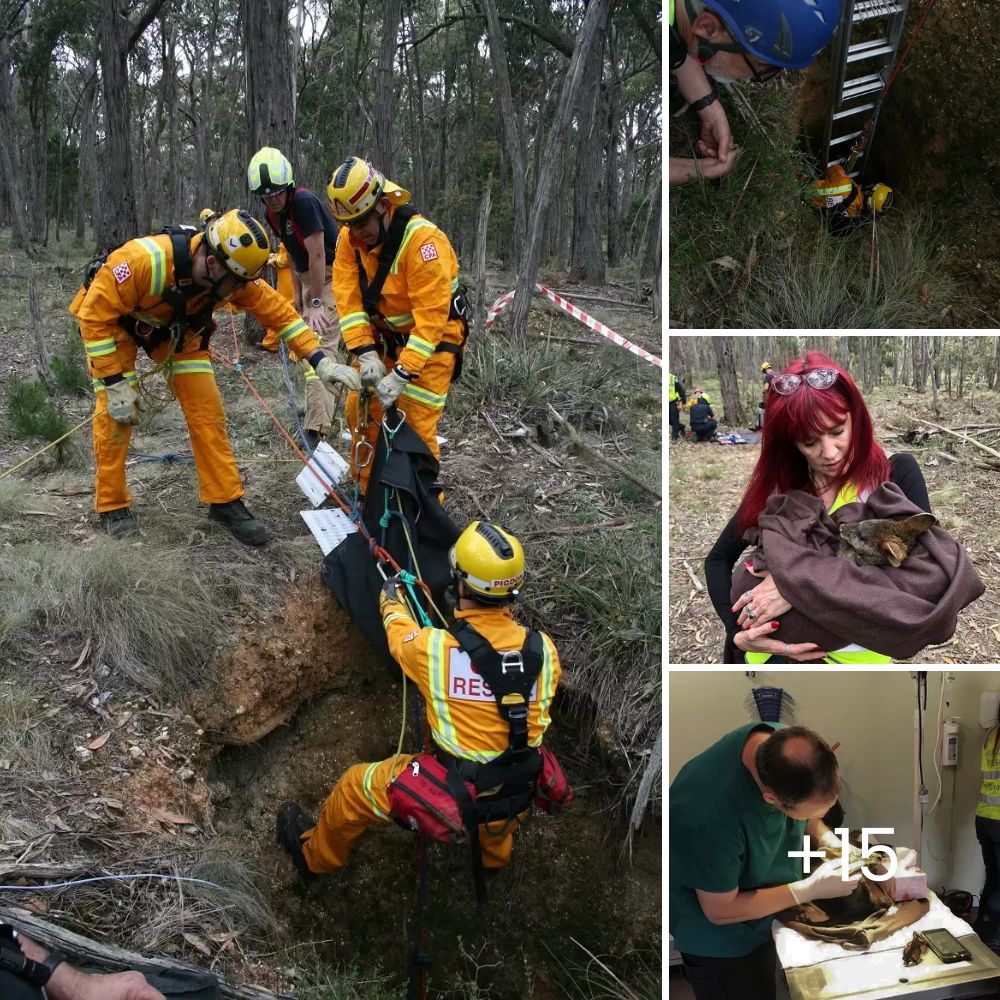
[567, 878]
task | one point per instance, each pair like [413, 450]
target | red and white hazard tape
[588, 321]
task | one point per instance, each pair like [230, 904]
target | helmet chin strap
[381, 228]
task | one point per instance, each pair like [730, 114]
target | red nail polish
[774, 625]
[749, 565]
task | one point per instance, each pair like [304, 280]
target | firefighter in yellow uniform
[405, 323]
[285, 287]
[158, 292]
[844, 203]
[466, 727]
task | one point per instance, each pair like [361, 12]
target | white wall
[951, 854]
[871, 715]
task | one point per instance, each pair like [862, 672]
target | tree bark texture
[119, 218]
[597, 13]
[11, 160]
[268, 51]
[587, 253]
[511, 127]
[479, 321]
[384, 107]
[732, 405]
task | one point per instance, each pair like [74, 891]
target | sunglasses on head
[818, 378]
[708, 49]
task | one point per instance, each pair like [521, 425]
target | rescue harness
[392, 339]
[177, 296]
[447, 798]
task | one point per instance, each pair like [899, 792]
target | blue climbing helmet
[785, 33]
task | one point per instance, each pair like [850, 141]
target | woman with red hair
[818, 437]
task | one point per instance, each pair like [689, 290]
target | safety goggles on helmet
[818, 378]
[707, 49]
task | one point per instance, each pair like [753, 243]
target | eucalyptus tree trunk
[118, 220]
[267, 50]
[590, 33]
[587, 253]
[11, 159]
[512, 130]
[383, 89]
[732, 405]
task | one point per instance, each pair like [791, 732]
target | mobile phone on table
[946, 946]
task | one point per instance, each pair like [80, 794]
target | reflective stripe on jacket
[416, 297]
[461, 711]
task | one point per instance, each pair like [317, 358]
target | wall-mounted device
[949, 742]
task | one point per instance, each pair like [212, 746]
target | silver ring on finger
[746, 593]
[751, 614]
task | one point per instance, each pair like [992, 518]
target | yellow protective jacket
[461, 710]
[416, 297]
[132, 282]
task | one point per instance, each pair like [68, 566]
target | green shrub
[68, 366]
[31, 413]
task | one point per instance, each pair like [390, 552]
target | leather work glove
[391, 588]
[124, 406]
[824, 883]
[372, 369]
[390, 387]
[333, 374]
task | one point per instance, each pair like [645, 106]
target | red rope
[377, 550]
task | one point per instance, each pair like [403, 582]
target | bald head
[799, 771]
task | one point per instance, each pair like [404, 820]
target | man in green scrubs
[736, 810]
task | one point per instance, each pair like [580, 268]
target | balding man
[736, 810]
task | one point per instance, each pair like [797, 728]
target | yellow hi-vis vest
[674, 395]
[989, 790]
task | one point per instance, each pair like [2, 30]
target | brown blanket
[857, 921]
[892, 610]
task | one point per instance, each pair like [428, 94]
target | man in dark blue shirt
[305, 226]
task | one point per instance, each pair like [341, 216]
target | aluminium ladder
[866, 46]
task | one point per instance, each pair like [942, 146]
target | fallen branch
[698, 585]
[86, 951]
[961, 437]
[603, 459]
[954, 459]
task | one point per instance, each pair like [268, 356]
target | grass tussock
[748, 251]
[26, 752]
[149, 618]
[606, 597]
[884, 277]
[637, 976]
[521, 380]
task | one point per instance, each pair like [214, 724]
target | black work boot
[292, 822]
[120, 523]
[235, 517]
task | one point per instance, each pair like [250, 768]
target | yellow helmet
[355, 188]
[238, 240]
[269, 172]
[879, 198]
[765, 366]
[206, 215]
[490, 561]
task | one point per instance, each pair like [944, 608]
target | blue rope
[169, 459]
[409, 579]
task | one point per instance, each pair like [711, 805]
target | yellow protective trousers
[361, 798]
[190, 374]
[422, 401]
